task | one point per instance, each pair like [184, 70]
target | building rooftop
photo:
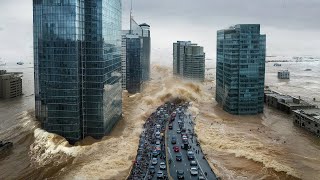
[313, 114]
[144, 24]
[286, 99]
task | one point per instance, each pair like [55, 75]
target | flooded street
[266, 146]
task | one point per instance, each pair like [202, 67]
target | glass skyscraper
[136, 46]
[77, 56]
[188, 60]
[240, 74]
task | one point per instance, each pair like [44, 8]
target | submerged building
[136, 48]
[10, 85]
[308, 119]
[285, 103]
[240, 74]
[77, 58]
[284, 74]
[188, 60]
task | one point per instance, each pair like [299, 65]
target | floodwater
[266, 146]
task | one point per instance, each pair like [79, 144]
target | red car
[176, 148]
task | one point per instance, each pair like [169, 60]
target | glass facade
[77, 49]
[240, 73]
[136, 48]
[134, 63]
[188, 60]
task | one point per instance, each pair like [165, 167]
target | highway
[204, 170]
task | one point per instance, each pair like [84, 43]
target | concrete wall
[306, 123]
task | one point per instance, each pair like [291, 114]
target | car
[201, 177]
[170, 126]
[155, 153]
[176, 149]
[158, 126]
[194, 171]
[158, 136]
[178, 157]
[154, 161]
[180, 174]
[160, 175]
[190, 155]
[152, 169]
[183, 129]
[162, 165]
[184, 137]
[173, 140]
[178, 131]
[158, 142]
[179, 122]
[193, 163]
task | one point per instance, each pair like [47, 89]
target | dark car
[180, 174]
[170, 126]
[173, 140]
[179, 157]
[152, 170]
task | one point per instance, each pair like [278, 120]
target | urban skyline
[289, 22]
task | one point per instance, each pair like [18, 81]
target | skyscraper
[77, 56]
[188, 60]
[240, 73]
[136, 46]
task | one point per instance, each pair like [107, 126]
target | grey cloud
[277, 13]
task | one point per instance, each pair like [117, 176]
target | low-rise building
[10, 85]
[284, 74]
[308, 119]
[285, 103]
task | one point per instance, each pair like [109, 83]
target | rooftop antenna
[131, 17]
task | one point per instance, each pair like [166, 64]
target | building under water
[77, 60]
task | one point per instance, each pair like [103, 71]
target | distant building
[284, 74]
[240, 74]
[285, 103]
[308, 119]
[10, 85]
[188, 60]
[77, 58]
[136, 48]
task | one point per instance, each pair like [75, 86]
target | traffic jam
[150, 162]
[186, 159]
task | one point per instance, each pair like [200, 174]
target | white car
[162, 165]
[154, 161]
[194, 171]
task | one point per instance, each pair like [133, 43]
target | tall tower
[77, 56]
[136, 48]
[240, 73]
[188, 60]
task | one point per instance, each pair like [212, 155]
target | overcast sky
[292, 26]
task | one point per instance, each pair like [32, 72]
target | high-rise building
[77, 56]
[240, 74]
[10, 85]
[188, 60]
[136, 46]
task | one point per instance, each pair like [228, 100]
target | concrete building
[308, 119]
[136, 48]
[77, 59]
[285, 103]
[188, 60]
[10, 85]
[284, 74]
[240, 74]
